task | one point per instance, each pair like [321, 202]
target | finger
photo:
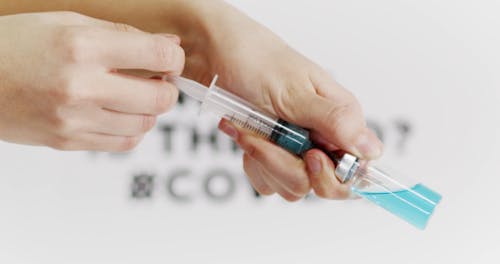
[278, 187]
[322, 176]
[255, 176]
[110, 143]
[118, 124]
[255, 168]
[122, 49]
[99, 142]
[79, 19]
[285, 168]
[117, 26]
[128, 28]
[135, 95]
[143, 51]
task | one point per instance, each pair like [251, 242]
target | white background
[434, 63]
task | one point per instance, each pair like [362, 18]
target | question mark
[404, 130]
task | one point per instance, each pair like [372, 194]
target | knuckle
[286, 100]
[336, 115]
[164, 51]
[173, 93]
[67, 92]
[61, 143]
[259, 185]
[339, 193]
[148, 122]
[299, 187]
[59, 95]
[164, 99]
[265, 190]
[73, 43]
[290, 197]
[320, 192]
[129, 143]
[180, 60]
[60, 125]
[334, 193]
[251, 149]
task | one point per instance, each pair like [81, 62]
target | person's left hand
[255, 64]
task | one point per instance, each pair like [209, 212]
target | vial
[406, 198]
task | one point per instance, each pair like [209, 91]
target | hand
[256, 65]
[59, 84]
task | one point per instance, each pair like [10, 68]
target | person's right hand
[59, 84]
[258, 66]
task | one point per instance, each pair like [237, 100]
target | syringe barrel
[244, 114]
[398, 194]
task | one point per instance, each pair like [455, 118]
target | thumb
[338, 119]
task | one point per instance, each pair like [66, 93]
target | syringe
[405, 198]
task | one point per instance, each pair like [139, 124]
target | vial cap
[344, 169]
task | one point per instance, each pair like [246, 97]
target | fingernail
[228, 129]
[368, 146]
[314, 165]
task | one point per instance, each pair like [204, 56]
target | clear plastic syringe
[405, 198]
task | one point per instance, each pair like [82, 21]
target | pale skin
[62, 84]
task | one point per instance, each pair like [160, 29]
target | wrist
[210, 29]
[216, 22]
[192, 21]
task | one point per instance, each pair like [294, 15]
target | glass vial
[410, 200]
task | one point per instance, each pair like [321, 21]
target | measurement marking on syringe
[248, 125]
